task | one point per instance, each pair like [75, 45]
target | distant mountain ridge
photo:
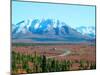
[89, 31]
[46, 30]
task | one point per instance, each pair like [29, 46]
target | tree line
[25, 63]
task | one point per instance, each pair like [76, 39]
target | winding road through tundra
[65, 52]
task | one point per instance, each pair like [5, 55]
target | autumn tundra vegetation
[40, 58]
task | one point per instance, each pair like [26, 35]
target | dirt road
[65, 52]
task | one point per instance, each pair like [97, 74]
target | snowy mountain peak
[51, 28]
[90, 31]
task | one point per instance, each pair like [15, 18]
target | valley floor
[51, 58]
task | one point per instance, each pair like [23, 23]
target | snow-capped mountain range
[89, 31]
[50, 30]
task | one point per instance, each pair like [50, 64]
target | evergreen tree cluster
[25, 63]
